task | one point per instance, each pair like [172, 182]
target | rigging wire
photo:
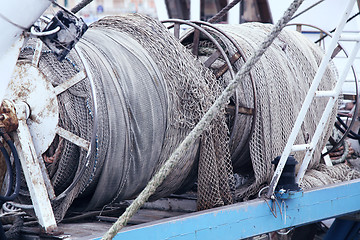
[351, 18]
[223, 11]
[307, 9]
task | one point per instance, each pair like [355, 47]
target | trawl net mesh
[282, 78]
[151, 92]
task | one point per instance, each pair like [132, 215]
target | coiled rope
[218, 105]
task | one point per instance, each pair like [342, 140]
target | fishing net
[282, 78]
[324, 175]
[150, 93]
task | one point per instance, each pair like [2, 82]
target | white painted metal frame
[32, 171]
[15, 17]
[333, 94]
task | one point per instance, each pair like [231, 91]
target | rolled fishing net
[151, 91]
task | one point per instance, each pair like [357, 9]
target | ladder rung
[301, 147]
[350, 37]
[325, 94]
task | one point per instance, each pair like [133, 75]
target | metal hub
[29, 85]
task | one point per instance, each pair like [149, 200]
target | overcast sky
[325, 15]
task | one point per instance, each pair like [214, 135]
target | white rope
[214, 110]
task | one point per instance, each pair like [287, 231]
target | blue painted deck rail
[253, 217]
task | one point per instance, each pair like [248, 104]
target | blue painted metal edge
[253, 217]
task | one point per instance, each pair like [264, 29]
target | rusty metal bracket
[8, 118]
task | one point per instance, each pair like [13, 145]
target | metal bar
[349, 37]
[301, 147]
[326, 158]
[73, 138]
[327, 112]
[212, 58]
[242, 110]
[196, 41]
[33, 174]
[177, 30]
[225, 67]
[309, 98]
[251, 218]
[325, 94]
[69, 83]
[47, 181]
[37, 52]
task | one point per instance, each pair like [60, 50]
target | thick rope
[214, 110]
[223, 11]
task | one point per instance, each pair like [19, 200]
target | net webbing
[151, 92]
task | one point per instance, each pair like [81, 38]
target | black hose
[17, 167]
[2, 232]
[351, 134]
[8, 195]
[343, 131]
[9, 169]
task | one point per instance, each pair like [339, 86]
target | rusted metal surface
[223, 69]
[29, 85]
[8, 118]
[242, 110]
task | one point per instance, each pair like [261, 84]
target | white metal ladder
[313, 92]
